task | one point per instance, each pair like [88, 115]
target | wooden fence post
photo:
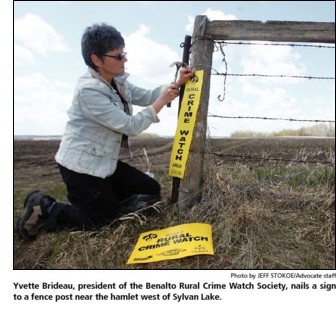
[201, 58]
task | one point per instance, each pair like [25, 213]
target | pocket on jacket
[95, 150]
[98, 159]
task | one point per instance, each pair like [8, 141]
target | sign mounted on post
[185, 126]
[173, 243]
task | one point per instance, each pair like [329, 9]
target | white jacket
[97, 120]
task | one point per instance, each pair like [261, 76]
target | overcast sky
[48, 61]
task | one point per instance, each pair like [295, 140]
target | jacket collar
[118, 79]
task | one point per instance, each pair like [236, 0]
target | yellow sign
[173, 243]
[185, 126]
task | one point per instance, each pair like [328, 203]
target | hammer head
[178, 65]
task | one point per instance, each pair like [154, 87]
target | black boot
[34, 215]
[137, 202]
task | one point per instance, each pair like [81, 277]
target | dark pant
[95, 201]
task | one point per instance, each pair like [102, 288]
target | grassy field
[270, 202]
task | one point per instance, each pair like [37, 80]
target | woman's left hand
[185, 73]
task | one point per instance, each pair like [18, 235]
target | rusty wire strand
[275, 44]
[270, 118]
[218, 46]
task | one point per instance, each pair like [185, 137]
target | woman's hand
[172, 91]
[185, 74]
[167, 96]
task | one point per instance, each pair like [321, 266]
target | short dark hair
[99, 39]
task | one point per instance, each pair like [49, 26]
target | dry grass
[270, 217]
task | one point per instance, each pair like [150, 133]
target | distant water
[37, 137]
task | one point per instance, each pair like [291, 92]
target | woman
[100, 187]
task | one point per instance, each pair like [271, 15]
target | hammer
[178, 65]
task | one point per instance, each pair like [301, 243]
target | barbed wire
[219, 46]
[274, 44]
[271, 76]
[250, 157]
[270, 118]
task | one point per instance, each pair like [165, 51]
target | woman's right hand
[168, 95]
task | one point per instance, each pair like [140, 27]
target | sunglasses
[118, 57]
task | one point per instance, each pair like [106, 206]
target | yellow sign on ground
[173, 243]
[185, 126]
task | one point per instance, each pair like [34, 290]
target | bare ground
[271, 226]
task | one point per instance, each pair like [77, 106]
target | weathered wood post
[201, 58]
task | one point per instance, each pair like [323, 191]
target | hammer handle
[169, 104]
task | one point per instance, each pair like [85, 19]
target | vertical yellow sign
[185, 126]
